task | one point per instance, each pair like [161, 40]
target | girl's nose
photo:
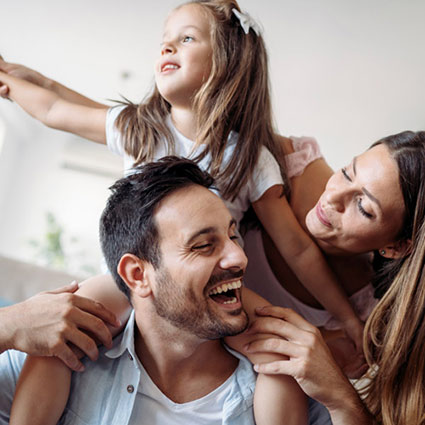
[167, 48]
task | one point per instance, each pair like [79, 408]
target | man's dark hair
[127, 224]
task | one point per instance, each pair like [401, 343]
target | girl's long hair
[395, 331]
[235, 97]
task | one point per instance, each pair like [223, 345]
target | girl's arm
[56, 112]
[310, 363]
[278, 398]
[306, 260]
[28, 74]
[49, 378]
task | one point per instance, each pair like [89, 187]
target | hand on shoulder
[45, 325]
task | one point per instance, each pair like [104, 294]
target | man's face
[197, 285]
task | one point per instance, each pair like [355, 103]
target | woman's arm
[55, 111]
[310, 363]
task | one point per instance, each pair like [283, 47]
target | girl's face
[186, 55]
[362, 207]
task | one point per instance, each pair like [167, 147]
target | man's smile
[226, 293]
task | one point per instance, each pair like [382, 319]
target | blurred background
[346, 72]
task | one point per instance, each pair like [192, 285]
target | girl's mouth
[169, 67]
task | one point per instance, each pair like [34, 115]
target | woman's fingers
[274, 345]
[286, 314]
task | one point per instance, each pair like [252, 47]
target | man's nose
[233, 257]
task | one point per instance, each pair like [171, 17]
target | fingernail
[80, 368]
[246, 347]
[255, 367]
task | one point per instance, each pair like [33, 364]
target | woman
[385, 185]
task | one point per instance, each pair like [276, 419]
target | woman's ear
[398, 250]
[132, 271]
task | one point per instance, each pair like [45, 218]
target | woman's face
[362, 207]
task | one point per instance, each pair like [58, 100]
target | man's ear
[133, 272]
[397, 250]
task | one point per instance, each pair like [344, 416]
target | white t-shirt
[153, 407]
[265, 175]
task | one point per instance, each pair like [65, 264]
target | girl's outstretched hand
[21, 72]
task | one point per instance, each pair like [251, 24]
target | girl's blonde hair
[395, 331]
[235, 97]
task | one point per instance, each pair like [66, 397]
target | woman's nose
[336, 199]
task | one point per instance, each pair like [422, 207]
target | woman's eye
[362, 210]
[345, 174]
[187, 39]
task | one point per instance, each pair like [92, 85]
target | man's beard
[183, 309]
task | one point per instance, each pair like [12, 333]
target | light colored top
[152, 406]
[265, 175]
[106, 393]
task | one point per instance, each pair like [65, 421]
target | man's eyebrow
[354, 165]
[207, 230]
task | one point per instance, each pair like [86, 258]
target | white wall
[347, 72]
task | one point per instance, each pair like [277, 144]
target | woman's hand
[46, 324]
[310, 361]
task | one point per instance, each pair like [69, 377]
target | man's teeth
[231, 301]
[226, 287]
[169, 66]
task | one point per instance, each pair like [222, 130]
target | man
[171, 246]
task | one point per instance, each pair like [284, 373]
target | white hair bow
[247, 22]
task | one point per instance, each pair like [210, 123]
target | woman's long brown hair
[235, 97]
[395, 331]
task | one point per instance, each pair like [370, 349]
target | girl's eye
[362, 210]
[187, 39]
[345, 174]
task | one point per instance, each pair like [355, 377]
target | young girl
[210, 103]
